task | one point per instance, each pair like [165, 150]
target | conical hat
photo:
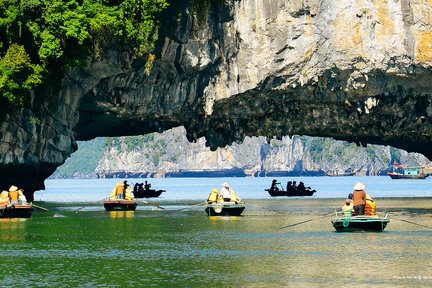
[13, 188]
[225, 184]
[359, 186]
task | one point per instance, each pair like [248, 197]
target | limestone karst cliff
[169, 154]
[352, 70]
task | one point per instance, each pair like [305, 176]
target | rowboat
[147, 193]
[16, 211]
[360, 223]
[293, 190]
[224, 209]
[120, 205]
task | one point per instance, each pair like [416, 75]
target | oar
[45, 209]
[40, 207]
[190, 206]
[145, 202]
[302, 222]
[412, 222]
[266, 208]
[76, 211]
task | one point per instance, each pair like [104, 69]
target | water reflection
[121, 214]
[12, 229]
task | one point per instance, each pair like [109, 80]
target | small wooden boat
[360, 223]
[335, 173]
[278, 192]
[225, 209]
[16, 211]
[120, 205]
[147, 193]
[402, 172]
[276, 189]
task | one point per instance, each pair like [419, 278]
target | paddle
[45, 209]
[302, 222]
[190, 206]
[145, 202]
[76, 211]
[266, 208]
[40, 207]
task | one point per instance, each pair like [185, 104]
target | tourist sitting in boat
[370, 207]
[233, 197]
[129, 194]
[4, 198]
[347, 208]
[213, 197]
[274, 186]
[359, 198]
[16, 195]
[147, 186]
[228, 194]
[138, 188]
[225, 192]
[119, 190]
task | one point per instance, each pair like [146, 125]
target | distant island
[169, 154]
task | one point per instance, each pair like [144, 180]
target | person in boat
[347, 208]
[4, 198]
[289, 185]
[301, 187]
[129, 194]
[370, 207]
[126, 185]
[359, 198]
[225, 192]
[274, 186]
[213, 197]
[14, 194]
[119, 190]
[147, 186]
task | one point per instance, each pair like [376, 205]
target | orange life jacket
[14, 195]
[119, 190]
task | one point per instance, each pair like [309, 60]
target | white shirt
[225, 192]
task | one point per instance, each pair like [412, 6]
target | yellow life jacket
[233, 196]
[128, 194]
[213, 196]
[119, 189]
[113, 194]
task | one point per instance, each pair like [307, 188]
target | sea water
[78, 244]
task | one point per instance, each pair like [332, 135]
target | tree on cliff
[38, 36]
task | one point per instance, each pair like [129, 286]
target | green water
[167, 248]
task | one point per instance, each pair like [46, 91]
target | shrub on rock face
[37, 35]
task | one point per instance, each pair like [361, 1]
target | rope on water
[410, 222]
[266, 208]
[306, 221]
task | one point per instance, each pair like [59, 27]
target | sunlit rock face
[352, 70]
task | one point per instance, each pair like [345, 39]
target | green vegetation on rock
[36, 35]
[83, 162]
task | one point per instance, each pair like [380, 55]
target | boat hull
[276, 193]
[120, 205]
[148, 193]
[360, 223]
[222, 209]
[16, 211]
[406, 176]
